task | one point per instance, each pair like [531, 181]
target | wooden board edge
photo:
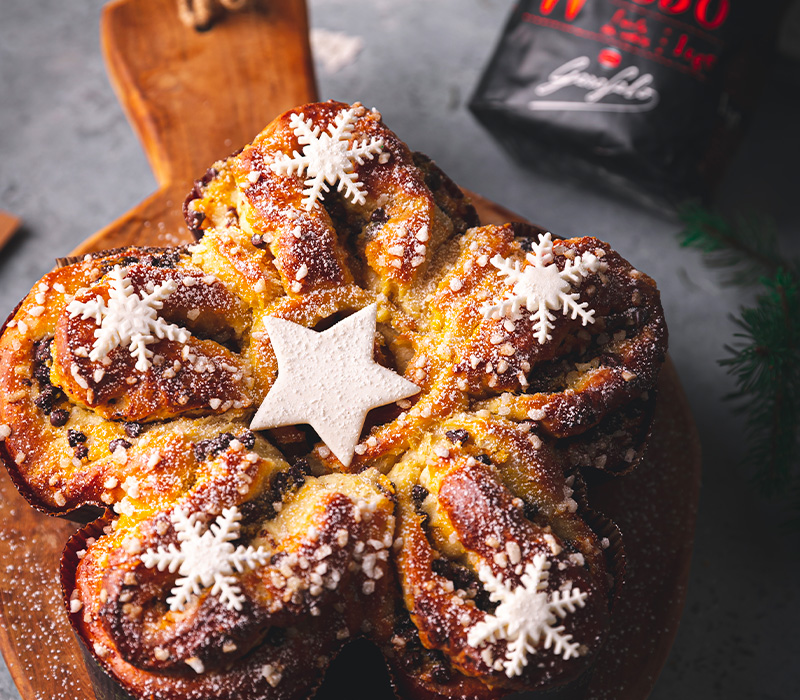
[8, 227]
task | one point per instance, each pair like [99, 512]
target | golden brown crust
[458, 510]
[201, 304]
[473, 474]
[310, 599]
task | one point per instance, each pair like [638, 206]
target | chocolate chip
[133, 429]
[257, 240]
[41, 354]
[81, 452]
[419, 493]
[212, 447]
[169, 260]
[403, 626]
[458, 436]
[201, 450]
[48, 398]
[379, 216]
[276, 636]
[59, 417]
[286, 481]
[434, 179]
[440, 567]
[119, 442]
[484, 459]
[75, 437]
[303, 466]
[41, 373]
[531, 510]
[461, 576]
[41, 351]
[248, 439]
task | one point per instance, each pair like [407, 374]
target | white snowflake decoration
[206, 559]
[527, 614]
[328, 157]
[128, 319]
[542, 288]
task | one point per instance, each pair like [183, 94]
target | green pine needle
[766, 366]
[747, 247]
[765, 357]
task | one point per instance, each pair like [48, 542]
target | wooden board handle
[195, 97]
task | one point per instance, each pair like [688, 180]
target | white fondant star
[328, 380]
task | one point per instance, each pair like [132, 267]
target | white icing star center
[543, 283]
[329, 380]
[329, 157]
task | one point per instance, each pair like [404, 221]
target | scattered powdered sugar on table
[335, 50]
[22, 560]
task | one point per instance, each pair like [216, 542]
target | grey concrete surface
[69, 164]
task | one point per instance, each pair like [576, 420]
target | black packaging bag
[647, 98]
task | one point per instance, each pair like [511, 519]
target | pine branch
[766, 368]
[765, 358]
[747, 247]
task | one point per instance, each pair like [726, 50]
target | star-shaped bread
[329, 380]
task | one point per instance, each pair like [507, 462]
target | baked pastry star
[460, 376]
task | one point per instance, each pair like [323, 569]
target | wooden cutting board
[194, 98]
[8, 227]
